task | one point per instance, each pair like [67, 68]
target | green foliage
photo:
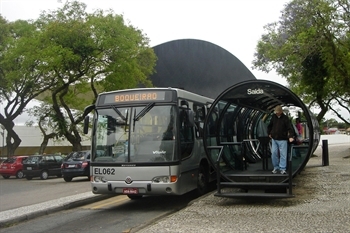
[23, 75]
[333, 123]
[310, 47]
[67, 56]
[97, 52]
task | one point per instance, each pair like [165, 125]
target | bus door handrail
[255, 150]
[241, 155]
[218, 176]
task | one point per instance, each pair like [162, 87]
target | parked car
[42, 166]
[76, 164]
[12, 166]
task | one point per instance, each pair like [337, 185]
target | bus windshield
[135, 134]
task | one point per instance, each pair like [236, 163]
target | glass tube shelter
[237, 122]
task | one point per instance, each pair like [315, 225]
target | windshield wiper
[127, 116]
[144, 111]
[119, 113]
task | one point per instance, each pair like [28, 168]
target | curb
[10, 217]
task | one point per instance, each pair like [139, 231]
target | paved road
[115, 214]
[15, 193]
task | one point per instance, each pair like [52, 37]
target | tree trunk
[77, 146]
[45, 141]
[43, 145]
[75, 140]
[11, 147]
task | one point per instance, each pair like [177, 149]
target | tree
[67, 57]
[22, 75]
[309, 47]
[44, 114]
[94, 52]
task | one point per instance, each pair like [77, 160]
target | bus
[148, 141]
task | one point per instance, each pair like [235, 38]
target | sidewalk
[321, 204]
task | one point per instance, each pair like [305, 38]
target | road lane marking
[107, 203]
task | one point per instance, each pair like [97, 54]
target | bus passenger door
[186, 134]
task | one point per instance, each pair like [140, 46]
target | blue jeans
[279, 154]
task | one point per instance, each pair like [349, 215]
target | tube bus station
[238, 146]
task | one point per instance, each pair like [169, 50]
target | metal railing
[218, 176]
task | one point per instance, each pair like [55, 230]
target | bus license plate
[130, 191]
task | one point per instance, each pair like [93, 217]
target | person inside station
[280, 131]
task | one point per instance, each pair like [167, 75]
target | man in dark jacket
[280, 131]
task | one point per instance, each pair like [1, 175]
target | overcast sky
[234, 25]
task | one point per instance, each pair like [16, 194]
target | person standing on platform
[280, 131]
[298, 138]
[299, 127]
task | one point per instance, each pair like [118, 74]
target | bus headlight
[100, 179]
[164, 179]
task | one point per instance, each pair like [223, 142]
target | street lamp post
[3, 140]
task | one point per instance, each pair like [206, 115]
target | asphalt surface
[9, 217]
[322, 204]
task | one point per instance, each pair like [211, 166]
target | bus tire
[203, 180]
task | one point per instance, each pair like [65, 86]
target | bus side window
[186, 135]
[199, 116]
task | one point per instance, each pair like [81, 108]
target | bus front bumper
[136, 188]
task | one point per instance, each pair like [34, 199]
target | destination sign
[135, 96]
[139, 96]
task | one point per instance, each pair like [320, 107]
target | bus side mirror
[86, 125]
[88, 109]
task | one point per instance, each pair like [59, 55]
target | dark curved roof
[197, 66]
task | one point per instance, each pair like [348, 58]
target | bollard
[325, 156]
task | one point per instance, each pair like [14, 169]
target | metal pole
[3, 140]
[3, 143]
[325, 156]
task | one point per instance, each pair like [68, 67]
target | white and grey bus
[148, 141]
